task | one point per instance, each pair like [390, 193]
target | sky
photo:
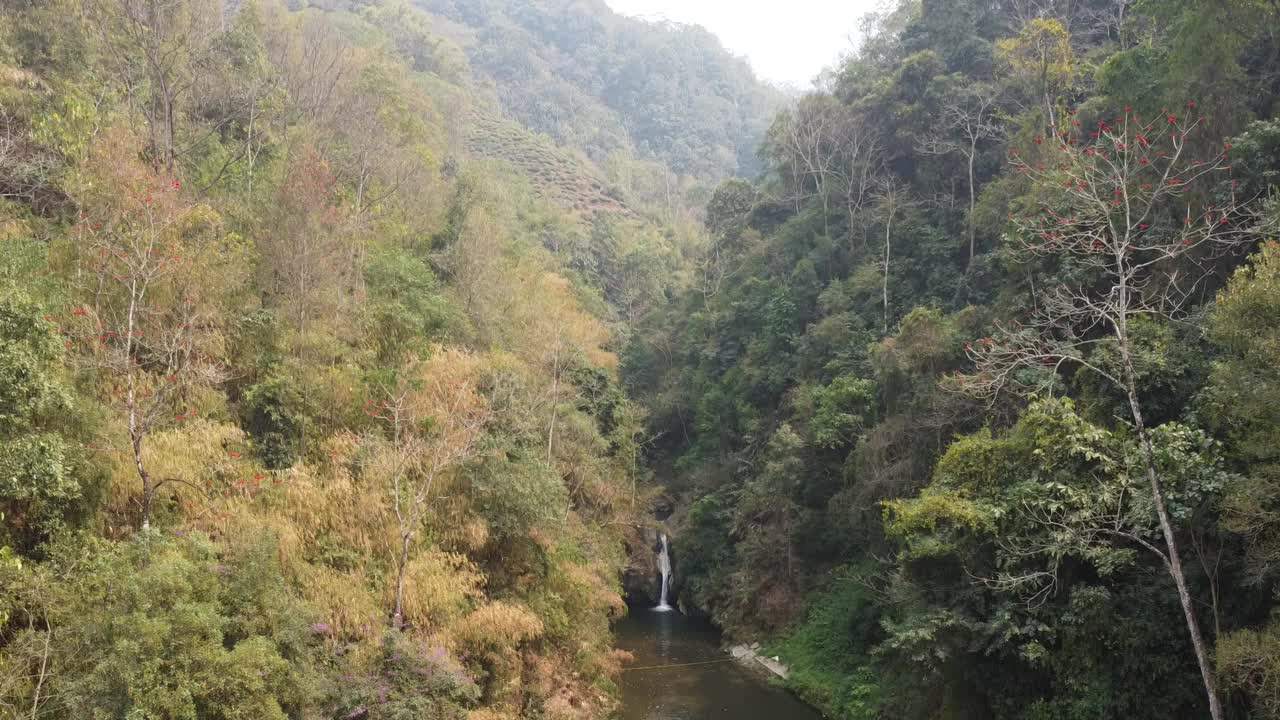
[786, 42]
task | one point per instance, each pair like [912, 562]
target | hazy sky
[787, 41]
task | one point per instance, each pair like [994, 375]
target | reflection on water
[694, 692]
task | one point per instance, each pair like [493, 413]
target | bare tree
[157, 47]
[1121, 206]
[434, 417]
[967, 120]
[805, 138]
[891, 198]
[861, 163]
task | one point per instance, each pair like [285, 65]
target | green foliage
[406, 306]
[29, 389]
[518, 493]
[166, 628]
[274, 420]
[828, 650]
[39, 478]
[603, 82]
[791, 341]
[1241, 399]
[841, 411]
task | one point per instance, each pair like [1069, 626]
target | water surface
[692, 692]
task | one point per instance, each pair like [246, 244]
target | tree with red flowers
[1129, 211]
[149, 261]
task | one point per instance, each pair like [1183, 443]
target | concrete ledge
[749, 655]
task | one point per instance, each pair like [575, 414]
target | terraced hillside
[556, 173]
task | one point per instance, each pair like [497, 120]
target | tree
[434, 416]
[1052, 514]
[728, 217]
[804, 139]
[892, 198]
[967, 121]
[1108, 204]
[37, 467]
[158, 48]
[307, 253]
[860, 165]
[155, 264]
[1042, 61]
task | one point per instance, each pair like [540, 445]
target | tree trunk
[884, 290]
[1174, 558]
[148, 489]
[973, 150]
[397, 617]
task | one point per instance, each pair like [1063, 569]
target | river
[661, 684]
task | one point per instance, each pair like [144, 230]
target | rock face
[642, 581]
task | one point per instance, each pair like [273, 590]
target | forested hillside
[971, 406]
[351, 350]
[616, 87]
[307, 411]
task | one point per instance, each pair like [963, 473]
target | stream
[662, 684]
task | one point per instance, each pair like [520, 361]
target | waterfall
[664, 566]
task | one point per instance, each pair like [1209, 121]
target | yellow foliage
[345, 601]
[1041, 58]
[439, 587]
[498, 624]
[493, 714]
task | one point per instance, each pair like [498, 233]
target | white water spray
[664, 566]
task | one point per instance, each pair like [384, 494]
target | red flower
[1143, 226]
[1128, 110]
[1173, 119]
[1191, 105]
[234, 454]
[80, 312]
[1037, 139]
[1223, 220]
[259, 476]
